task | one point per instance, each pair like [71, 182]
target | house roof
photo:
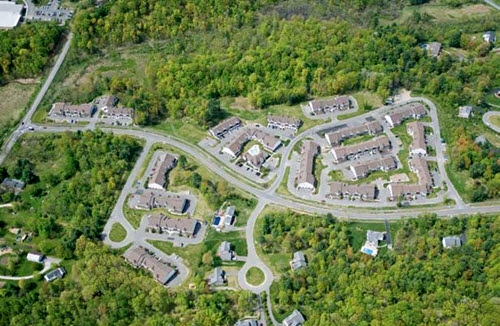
[298, 261]
[225, 125]
[139, 257]
[120, 111]
[164, 164]
[173, 202]
[452, 241]
[267, 140]
[236, 144]
[230, 211]
[256, 160]
[106, 101]
[10, 14]
[305, 172]
[378, 143]
[185, 225]
[421, 168]
[374, 236]
[434, 48]
[13, 184]
[284, 120]
[465, 111]
[135, 256]
[406, 112]
[361, 169]
[247, 322]
[417, 131]
[364, 190]
[224, 250]
[339, 101]
[217, 277]
[294, 319]
[56, 273]
[398, 189]
[372, 128]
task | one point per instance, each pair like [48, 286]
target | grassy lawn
[336, 175]
[357, 139]
[491, 98]
[283, 189]
[18, 265]
[495, 120]
[118, 233]
[365, 97]
[133, 216]
[15, 97]
[317, 168]
[255, 276]
[442, 13]
[459, 180]
[357, 231]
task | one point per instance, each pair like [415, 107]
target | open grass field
[15, 97]
[492, 99]
[444, 13]
[255, 276]
[495, 120]
[118, 233]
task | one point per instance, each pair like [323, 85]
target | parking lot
[49, 12]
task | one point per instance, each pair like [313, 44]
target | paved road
[253, 259]
[491, 3]
[47, 264]
[487, 122]
[23, 127]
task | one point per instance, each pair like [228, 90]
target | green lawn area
[491, 98]
[369, 98]
[444, 13]
[283, 189]
[118, 233]
[495, 120]
[357, 231]
[357, 139]
[18, 265]
[317, 168]
[134, 216]
[255, 276]
[459, 180]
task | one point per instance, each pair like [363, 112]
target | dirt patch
[28, 81]
[15, 97]
[241, 103]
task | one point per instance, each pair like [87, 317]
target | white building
[35, 257]
[489, 37]
[10, 14]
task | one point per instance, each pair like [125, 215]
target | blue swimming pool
[367, 251]
[216, 221]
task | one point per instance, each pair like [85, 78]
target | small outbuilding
[35, 257]
[465, 111]
[298, 261]
[489, 37]
[294, 319]
[56, 273]
[452, 241]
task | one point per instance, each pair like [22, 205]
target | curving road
[487, 122]
[493, 4]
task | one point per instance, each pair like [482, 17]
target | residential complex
[305, 175]
[140, 258]
[162, 223]
[340, 190]
[409, 111]
[418, 146]
[363, 169]
[283, 122]
[376, 145]
[228, 125]
[61, 109]
[164, 164]
[174, 203]
[424, 186]
[369, 128]
[339, 103]
[268, 141]
[294, 319]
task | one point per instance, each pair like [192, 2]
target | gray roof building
[298, 261]
[224, 252]
[434, 48]
[163, 165]
[247, 322]
[225, 126]
[344, 190]
[56, 273]
[13, 184]
[10, 14]
[294, 319]
[218, 277]
[139, 257]
[344, 153]
[160, 222]
[412, 110]
[368, 128]
[451, 242]
[305, 175]
[465, 111]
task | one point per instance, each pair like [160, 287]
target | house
[340, 190]
[283, 122]
[56, 273]
[268, 141]
[376, 145]
[229, 216]
[397, 190]
[255, 158]
[434, 49]
[409, 111]
[369, 128]
[139, 258]
[363, 169]
[371, 245]
[418, 146]
[298, 261]
[72, 111]
[218, 277]
[224, 252]
[247, 322]
[234, 147]
[294, 319]
[451, 242]
[118, 113]
[305, 175]
[174, 203]
[164, 164]
[225, 127]
[421, 168]
[13, 184]
[489, 37]
[10, 14]
[465, 111]
[35, 257]
[162, 223]
[106, 102]
[319, 107]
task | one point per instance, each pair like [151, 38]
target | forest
[72, 183]
[102, 289]
[417, 283]
[26, 50]
[286, 52]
